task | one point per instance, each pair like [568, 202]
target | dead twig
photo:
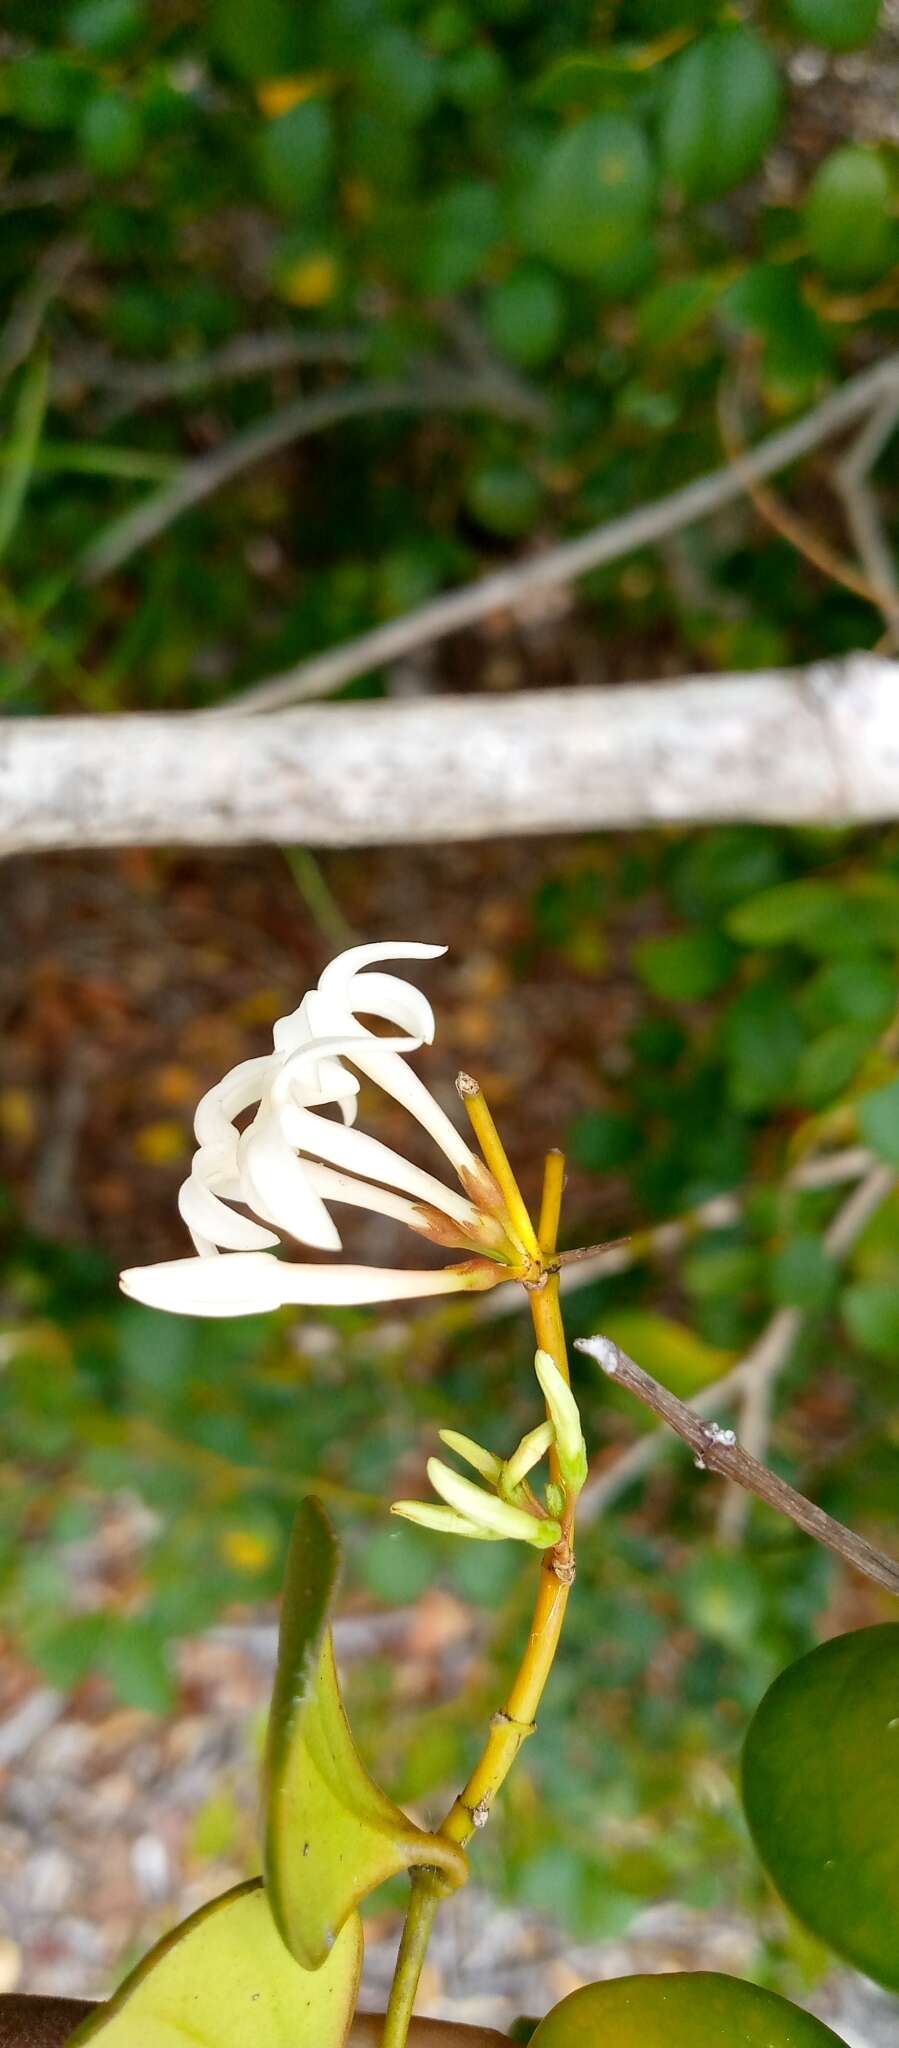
[201, 478]
[852, 476]
[717, 1450]
[510, 588]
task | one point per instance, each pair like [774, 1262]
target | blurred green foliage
[585, 215]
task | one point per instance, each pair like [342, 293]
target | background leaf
[672, 2011]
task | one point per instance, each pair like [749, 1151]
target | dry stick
[660, 1240]
[606, 1485]
[447, 390]
[717, 1449]
[22, 329]
[852, 477]
[513, 587]
[756, 1406]
[788, 523]
[128, 386]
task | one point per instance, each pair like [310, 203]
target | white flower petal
[354, 1150]
[276, 1184]
[531, 1449]
[338, 972]
[397, 1002]
[209, 1218]
[236, 1284]
[362, 1194]
[481, 1460]
[390, 1072]
[214, 1119]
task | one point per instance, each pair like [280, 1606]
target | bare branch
[508, 588]
[717, 1449]
[446, 390]
[129, 385]
[819, 746]
[758, 1397]
[852, 477]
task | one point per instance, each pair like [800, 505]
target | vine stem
[511, 1726]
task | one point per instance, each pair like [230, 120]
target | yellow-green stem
[517, 1719]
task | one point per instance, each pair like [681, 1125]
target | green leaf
[295, 156]
[870, 1310]
[603, 1140]
[791, 912]
[224, 1979]
[836, 24]
[723, 111]
[667, 1349]
[106, 27]
[802, 1275]
[821, 1793]
[111, 134]
[830, 1062]
[878, 1121]
[331, 1834]
[593, 195]
[686, 966]
[679, 2011]
[28, 422]
[763, 1043]
[504, 497]
[848, 216]
[525, 316]
[258, 42]
[860, 990]
[399, 76]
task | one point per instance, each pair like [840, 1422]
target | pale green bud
[445, 1520]
[487, 1511]
[531, 1449]
[473, 1454]
[563, 1411]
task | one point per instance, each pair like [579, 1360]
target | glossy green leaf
[821, 1793]
[696, 2010]
[224, 1980]
[870, 1310]
[723, 111]
[331, 1834]
[525, 316]
[836, 24]
[848, 213]
[295, 156]
[593, 195]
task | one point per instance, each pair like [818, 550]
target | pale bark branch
[508, 589]
[813, 746]
[717, 1450]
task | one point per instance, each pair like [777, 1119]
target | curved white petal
[276, 1184]
[214, 1119]
[360, 1154]
[388, 1071]
[208, 1218]
[339, 971]
[397, 1002]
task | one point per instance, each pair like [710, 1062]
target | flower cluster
[507, 1506]
[291, 1160]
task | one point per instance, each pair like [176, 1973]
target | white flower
[291, 1160]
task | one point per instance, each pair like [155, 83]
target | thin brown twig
[852, 476]
[717, 1450]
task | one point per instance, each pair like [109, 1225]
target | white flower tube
[250, 1283]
